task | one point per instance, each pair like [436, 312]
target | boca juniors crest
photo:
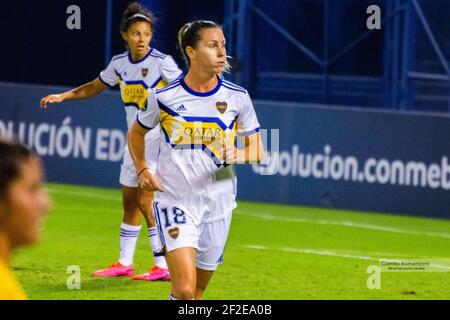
[174, 232]
[144, 72]
[221, 106]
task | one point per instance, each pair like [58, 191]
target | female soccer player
[23, 204]
[135, 70]
[199, 116]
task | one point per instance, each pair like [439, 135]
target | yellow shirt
[10, 289]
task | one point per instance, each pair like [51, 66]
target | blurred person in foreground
[23, 204]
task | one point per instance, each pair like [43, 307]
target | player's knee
[184, 292]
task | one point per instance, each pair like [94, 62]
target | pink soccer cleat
[155, 274]
[115, 270]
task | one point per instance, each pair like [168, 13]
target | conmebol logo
[336, 167]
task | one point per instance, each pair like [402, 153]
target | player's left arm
[248, 126]
[253, 151]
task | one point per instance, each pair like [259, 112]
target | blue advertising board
[81, 142]
[354, 159]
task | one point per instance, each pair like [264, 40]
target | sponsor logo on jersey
[221, 106]
[199, 135]
[174, 232]
[181, 108]
[144, 72]
[134, 94]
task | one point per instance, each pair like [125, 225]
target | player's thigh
[129, 199]
[181, 263]
[212, 241]
[179, 235]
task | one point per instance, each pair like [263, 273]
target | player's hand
[150, 182]
[51, 98]
[231, 154]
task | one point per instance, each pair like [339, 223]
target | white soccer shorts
[177, 230]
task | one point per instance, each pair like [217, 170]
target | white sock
[171, 297]
[157, 248]
[128, 239]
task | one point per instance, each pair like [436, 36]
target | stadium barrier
[357, 159]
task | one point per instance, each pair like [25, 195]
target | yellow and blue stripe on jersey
[134, 93]
[188, 132]
[205, 133]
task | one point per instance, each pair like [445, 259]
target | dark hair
[190, 34]
[136, 12]
[12, 155]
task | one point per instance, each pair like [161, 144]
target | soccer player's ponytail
[136, 12]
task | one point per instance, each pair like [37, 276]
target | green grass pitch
[273, 252]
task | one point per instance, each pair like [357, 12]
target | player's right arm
[136, 143]
[87, 90]
[146, 120]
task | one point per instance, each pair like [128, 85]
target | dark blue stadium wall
[405, 65]
[41, 49]
[358, 159]
[81, 142]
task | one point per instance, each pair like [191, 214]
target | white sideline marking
[349, 224]
[314, 251]
[86, 210]
[336, 254]
[270, 217]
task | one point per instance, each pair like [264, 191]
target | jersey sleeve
[149, 117]
[109, 76]
[247, 122]
[170, 70]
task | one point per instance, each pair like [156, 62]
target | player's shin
[128, 239]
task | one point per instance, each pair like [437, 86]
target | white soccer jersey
[191, 124]
[154, 70]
